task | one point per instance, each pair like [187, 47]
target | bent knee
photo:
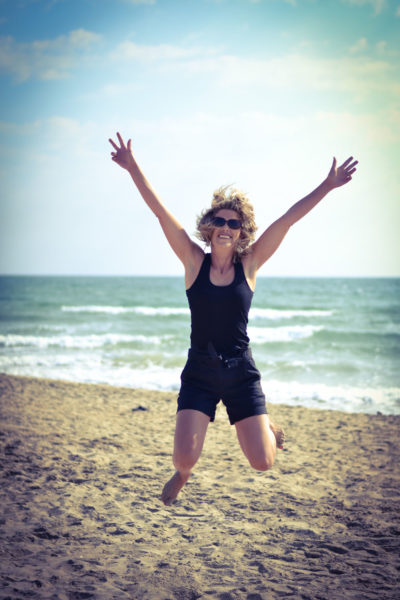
[262, 464]
[184, 462]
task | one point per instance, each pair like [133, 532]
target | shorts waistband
[212, 354]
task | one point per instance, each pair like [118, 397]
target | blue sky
[260, 94]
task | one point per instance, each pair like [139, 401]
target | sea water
[318, 342]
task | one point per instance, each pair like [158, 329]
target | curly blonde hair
[232, 199]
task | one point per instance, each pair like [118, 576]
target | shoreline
[84, 466]
[292, 403]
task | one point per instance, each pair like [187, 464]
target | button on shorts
[206, 380]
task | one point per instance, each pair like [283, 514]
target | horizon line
[181, 275]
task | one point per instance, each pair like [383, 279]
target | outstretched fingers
[347, 169]
[121, 141]
[347, 161]
[113, 144]
[350, 171]
[349, 165]
[120, 150]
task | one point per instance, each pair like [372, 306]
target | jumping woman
[220, 287]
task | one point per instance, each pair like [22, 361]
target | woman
[220, 287]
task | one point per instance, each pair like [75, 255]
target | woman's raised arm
[272, 237]
[186, 250]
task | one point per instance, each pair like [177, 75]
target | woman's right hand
[123, 153]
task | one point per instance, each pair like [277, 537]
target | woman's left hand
[338, 176]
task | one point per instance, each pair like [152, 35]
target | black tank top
[219, 313]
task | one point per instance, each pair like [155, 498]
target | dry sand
[83, 468]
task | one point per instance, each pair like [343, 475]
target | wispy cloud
[45, 59]
[23, 129]
[296, 71]
[377, 5]
[381, 127]
[381, 48]
[130, 51]
[158, 52]
[359, 46]
[368, 68]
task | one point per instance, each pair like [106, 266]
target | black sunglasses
[220, 222]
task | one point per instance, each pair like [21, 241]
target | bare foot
[173, 487]
[279, 434]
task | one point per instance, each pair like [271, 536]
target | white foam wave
[113, 310]
[117, 310]
[263, 335]
[258, 335]
[92, 368]
[162, 311]
[344, 398]
[277, 314]
[77, 341]
[151, 311]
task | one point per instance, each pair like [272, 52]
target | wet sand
[83, 467]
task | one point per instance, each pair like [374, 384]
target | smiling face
[225, 236]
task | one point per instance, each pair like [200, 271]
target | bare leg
[190, 432]
[259, 438]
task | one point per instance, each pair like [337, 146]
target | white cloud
[45, 59]
[398, 11]
[81, 38]
[377, 5]
[158, 52]
[381, 47]
[117, 90]
[132, 51]
[359, 46]
[296, 71]
[359, 73]
[61, 138]
[380, 128]
[20, 129]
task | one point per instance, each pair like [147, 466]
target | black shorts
[236, 381]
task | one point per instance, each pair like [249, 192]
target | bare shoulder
[193, 264]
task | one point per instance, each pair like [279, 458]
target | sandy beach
[81, 517]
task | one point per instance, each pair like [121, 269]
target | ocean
[330, 343]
